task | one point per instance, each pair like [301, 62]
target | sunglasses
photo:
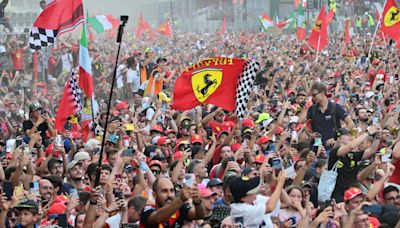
[156, 172]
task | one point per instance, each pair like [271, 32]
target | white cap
[293, 119]
[2, 49]
[10, 145]
[369, 94]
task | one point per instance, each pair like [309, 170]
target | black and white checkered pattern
[172, 25]
[244, 87]
[40, 37]
[74, 93]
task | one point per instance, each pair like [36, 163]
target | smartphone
[391, 79]
[318, 142]
[128, 152]
[62, 220]
[272, 147]
[375, 120]
[239, 221]
[276, 164]
[375, 209]
[292, 220]
[8, 189]
[74, 193]
[18, 142]
[189, 179]
[58, 141]
[25, 151]
[118, 195]
[230, 159]
[34, 188]
[386, 158]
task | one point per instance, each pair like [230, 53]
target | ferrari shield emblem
[317, 25]
[392, 16]
[205, 82]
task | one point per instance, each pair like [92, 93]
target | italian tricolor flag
[266, 22]
[85, 65]
[101, 23]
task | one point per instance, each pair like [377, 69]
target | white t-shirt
[120, 76]
[254, 215]
[66, 60]
[132, 77]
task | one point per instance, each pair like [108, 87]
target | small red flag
[346, 37]
[70, 102]
[224, 24]
[318, 38]
[390, 20]
[330, 16]
[143, 27]
[165, 29]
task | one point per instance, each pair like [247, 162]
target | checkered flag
[172, 25]
[39, 38]
[244, 87]
[57, 18]
[70, 104]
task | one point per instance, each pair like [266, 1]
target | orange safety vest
[158, 85]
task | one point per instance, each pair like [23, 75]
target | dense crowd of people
[319, 146]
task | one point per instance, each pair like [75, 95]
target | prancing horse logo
[205, 82]
[392, 16]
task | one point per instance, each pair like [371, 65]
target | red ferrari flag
[390, 20]
[59, 16]
[318, 38]
[70, 102]
[143, 26]
[165, 29]
[224, 82]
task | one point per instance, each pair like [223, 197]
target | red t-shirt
[16, 58]
[395, 178]
[218, 127]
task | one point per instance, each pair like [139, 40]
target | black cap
[160, 59]
[341, 131]
[220, 212]
[243, 186]
[214, 182]
[28, 204]
[149, 151]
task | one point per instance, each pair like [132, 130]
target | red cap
[248, 123]
[121, 105]
[155, 162]
[177, 155]
[263, 139]
[260, 158]
[375, 62]
[161, 140]
[235, 147]
[289, 91]
[157, 128]
[61, 199]
[196, 138]
[352, 193]
[115, 113]
[57, 208]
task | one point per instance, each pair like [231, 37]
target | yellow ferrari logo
[317, 25]
[392, 16]
[205, 82]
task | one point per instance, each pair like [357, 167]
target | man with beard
[199, 169]
[46, 190]
[75, 174]
[363, 118]
[56, 167]
[171, 211]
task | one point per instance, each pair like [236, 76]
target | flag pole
[376, 30]
[124, 20]
[319, 41]
[172, 22]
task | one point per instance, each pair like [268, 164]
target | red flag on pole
[330, 16]
[165, 28]
[390, 20]
[223, 26]
[318, 38]
[70, 102]
[57, 18]
[143, 26]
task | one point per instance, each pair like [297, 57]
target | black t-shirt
[347, 169]
[28, 124]
[176, 220]
[323, 122]
[3, 5]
